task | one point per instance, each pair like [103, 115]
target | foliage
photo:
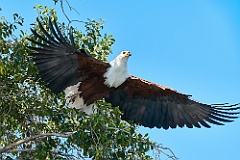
[37, 123]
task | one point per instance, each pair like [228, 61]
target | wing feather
[59, 62]
[160, 106]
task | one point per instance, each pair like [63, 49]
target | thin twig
[71, 8]
[160, 149]
[61, 2]
[118, 129]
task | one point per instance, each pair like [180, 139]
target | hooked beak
[129, 54]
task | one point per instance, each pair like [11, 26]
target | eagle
[85, 79]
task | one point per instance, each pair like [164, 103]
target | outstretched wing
[60, 63]
[152, 105]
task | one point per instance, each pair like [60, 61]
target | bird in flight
[84, 79]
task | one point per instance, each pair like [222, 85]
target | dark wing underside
[59, 62]
[153, 105]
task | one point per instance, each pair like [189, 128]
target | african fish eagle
[85, 79]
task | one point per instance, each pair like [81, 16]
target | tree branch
[20, 150]
[32, 138]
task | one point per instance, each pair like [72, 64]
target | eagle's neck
[117, 73]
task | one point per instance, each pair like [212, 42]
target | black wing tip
[226, 109]
[53, 56]
[223, 113]
[55, 40]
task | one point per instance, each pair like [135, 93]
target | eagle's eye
[124, 52]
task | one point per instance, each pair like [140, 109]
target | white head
[121, 59]
[124, 54]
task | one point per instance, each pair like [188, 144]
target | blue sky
[192, 46]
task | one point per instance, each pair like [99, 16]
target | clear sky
[192, 46]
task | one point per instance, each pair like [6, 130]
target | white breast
[117, 73]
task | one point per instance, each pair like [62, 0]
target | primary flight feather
[85, 79]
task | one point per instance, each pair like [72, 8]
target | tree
[37, 123]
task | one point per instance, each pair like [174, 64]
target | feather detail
[152, 105]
